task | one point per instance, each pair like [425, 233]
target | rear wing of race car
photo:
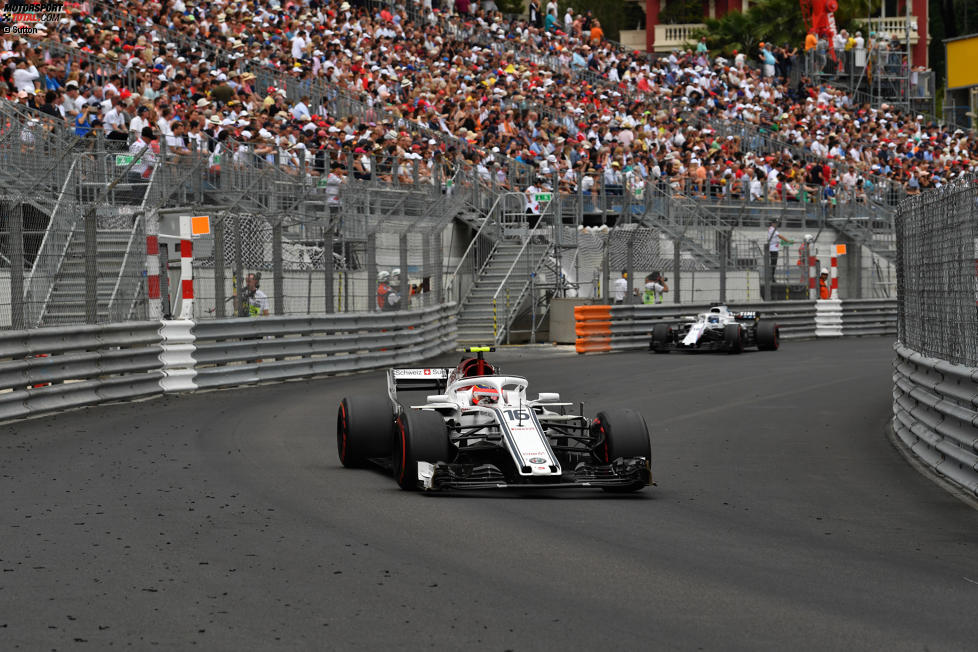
[431, 378]
[747, 315]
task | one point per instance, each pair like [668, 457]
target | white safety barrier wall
[630, 326]
[935, 414]
[53, 369]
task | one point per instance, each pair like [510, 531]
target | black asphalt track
[783, 519]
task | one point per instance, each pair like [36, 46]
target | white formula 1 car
[716, 330]
[480, 431]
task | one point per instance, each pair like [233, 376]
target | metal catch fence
[937, 273]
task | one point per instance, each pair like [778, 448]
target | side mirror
[548, 397]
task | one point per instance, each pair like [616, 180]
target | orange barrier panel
[591, 313]
[585, 328]
[593, 344]
[592, 325]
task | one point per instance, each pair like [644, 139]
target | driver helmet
[484, 395]
[714, 319]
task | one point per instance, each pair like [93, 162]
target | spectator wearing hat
[613, 181]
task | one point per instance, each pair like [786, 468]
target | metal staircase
[500, 265]
[67, 302]
[500, 290]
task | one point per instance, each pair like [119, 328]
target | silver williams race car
[716, 330]
[479, 430]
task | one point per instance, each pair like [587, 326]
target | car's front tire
[661, 335]
[621, 433]
[733, 337]
[364, 429]
[419, 436]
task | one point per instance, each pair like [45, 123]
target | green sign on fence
[543, 196]
[123, 159]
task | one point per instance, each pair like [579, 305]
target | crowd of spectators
[546, 91]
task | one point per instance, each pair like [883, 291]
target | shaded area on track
[783, 517]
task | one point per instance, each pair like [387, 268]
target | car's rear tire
[419, 436]
[661, 336]
[364, 429]
[768, 336]
[621, 433]
[733, 337]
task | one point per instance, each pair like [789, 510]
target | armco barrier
[869, 317]
[236, 351]
[602, 328]
[52, 369]
[935, 414]
[630, 326]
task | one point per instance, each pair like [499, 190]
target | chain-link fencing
[937, 273]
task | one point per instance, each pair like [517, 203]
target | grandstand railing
[874, 76]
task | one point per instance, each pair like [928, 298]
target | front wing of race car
[523, 456]
[620, 473]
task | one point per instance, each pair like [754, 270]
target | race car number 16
[517, 415]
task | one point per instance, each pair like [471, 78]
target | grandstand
[498, 164]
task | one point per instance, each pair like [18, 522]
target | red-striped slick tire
[364, 429]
